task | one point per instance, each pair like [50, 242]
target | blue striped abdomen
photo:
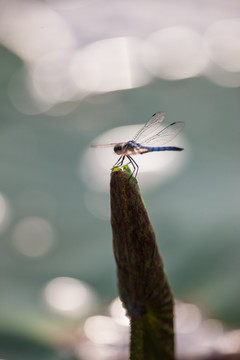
[162, 148]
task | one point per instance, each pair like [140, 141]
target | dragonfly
[151, 137]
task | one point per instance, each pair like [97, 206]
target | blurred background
[77, 72]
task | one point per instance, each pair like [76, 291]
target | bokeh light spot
[31, 29]
[188, 317]
[108, 65]
[102, 330]
[175, 53]
[223, 38]
[69, 296]
[51, 79]
[33, 236]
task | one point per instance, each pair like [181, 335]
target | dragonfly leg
[134, 165]
[120, 161]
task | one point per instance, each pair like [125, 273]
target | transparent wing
[164, 136]
[103, 145]
[149, 128]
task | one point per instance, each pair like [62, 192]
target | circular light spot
[51, 80]
[223, 39]
[33, 236]
[31, 29]
[188, 317]
[102, 330]
[69, 296]
[108, 65]
[175, 53]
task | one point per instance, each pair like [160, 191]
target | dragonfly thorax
[126, 148]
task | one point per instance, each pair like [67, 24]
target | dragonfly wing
[164, 136]
[150, 127]
[103, 145]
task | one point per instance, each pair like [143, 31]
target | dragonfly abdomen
[162, 148]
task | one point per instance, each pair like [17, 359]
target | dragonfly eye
[117, 148]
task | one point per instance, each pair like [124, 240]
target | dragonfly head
[119, 148]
